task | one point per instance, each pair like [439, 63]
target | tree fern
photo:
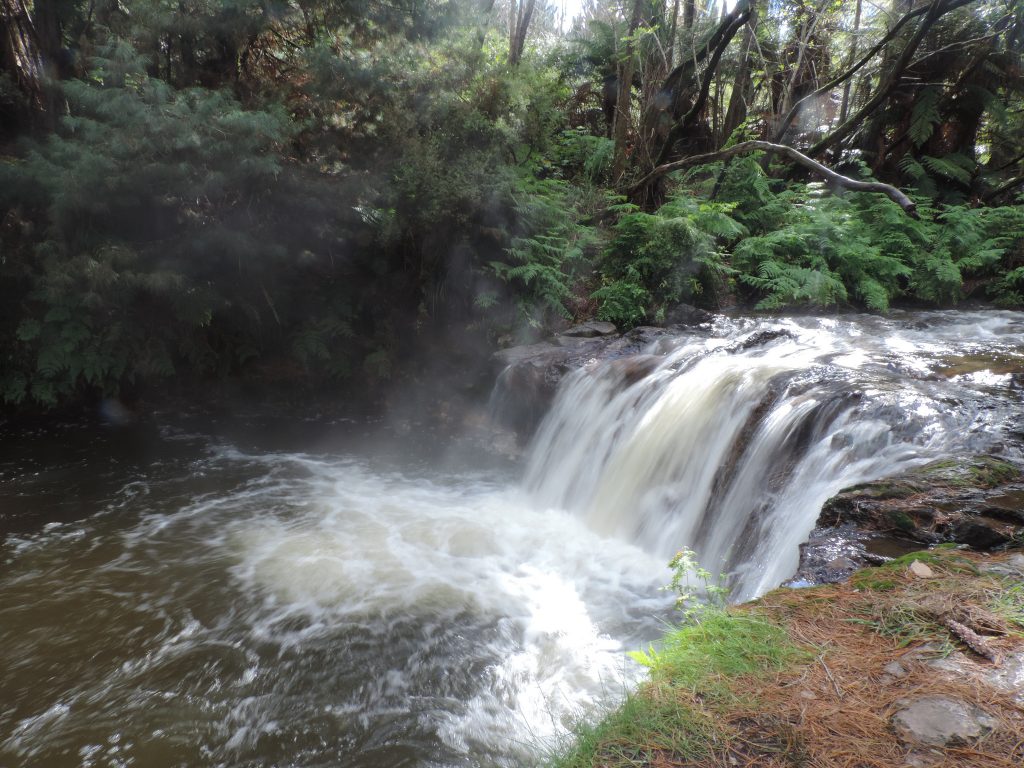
[955, 167]
[925, 115]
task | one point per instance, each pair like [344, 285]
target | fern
[954, 167]
[925, 115]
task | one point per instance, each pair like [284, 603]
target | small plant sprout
[695, 588]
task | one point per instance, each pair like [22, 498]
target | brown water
[193, 604]
[308, 593]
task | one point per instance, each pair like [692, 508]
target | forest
[334, 194]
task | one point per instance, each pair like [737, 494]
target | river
[186, 598]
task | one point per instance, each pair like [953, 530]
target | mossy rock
[982, 472]
[969, 500]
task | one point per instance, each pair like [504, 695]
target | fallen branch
[894, 194]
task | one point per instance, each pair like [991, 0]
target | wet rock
[982, 533]
[832, 554]
[528, 381]
[591, 329]
[684, 314]
[954, 500]
[527, 377]
[760, 338]
[940, 721]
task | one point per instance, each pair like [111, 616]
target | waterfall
[731, 443]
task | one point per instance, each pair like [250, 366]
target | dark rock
[529, 377]
[981, 533]
[591, 329]
[761, 338]
[684, 314]
[949, 500]
[514, 355]
[833, 554]
[973, 501]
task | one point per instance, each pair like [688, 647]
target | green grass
[721, 644]
[884, 578]
[690, 671]
[907, 625]
[646, 723]
[1008, 603]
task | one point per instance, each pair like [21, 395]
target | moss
[869, 579]
[722, 644]
[977, 472]
[882, 489]
[900, 520]
[885, 578]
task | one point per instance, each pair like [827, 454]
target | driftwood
[825, 172]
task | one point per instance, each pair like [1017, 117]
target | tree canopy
[314, 191]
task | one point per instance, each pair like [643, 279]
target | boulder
[961, 500]
[684, 314]
[976, 501]
[940, 721]
[591, 329]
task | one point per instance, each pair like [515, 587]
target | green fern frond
[925, 115]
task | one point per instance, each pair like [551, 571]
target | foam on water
[248, 609]
[731, 444]
[442, 613]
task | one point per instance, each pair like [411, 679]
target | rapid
[230, 605]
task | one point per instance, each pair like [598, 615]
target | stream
[339, 598]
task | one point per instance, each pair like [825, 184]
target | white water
[732, 451]
[313, 610]
[232, 608]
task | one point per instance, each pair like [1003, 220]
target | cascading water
[730, 444]
[207, 606]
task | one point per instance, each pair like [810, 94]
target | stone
[591, 329]
[982, 533]
[1011, 568]
[940, 721]
[921, 570]
[919, 759]
[895, 669]
[684, 314]
[841, 563]
[1008, 676]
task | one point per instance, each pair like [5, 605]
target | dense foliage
[316, 191]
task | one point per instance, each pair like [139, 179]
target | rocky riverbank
[919, 662]
[976, 501]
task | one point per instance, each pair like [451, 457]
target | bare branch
[857, 185]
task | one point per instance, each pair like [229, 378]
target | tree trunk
[737, 111]
[889, 83]
[673, 28]
[857, 185]
[519, 30]
[623, 100]
[845, 107]
[21, 53]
